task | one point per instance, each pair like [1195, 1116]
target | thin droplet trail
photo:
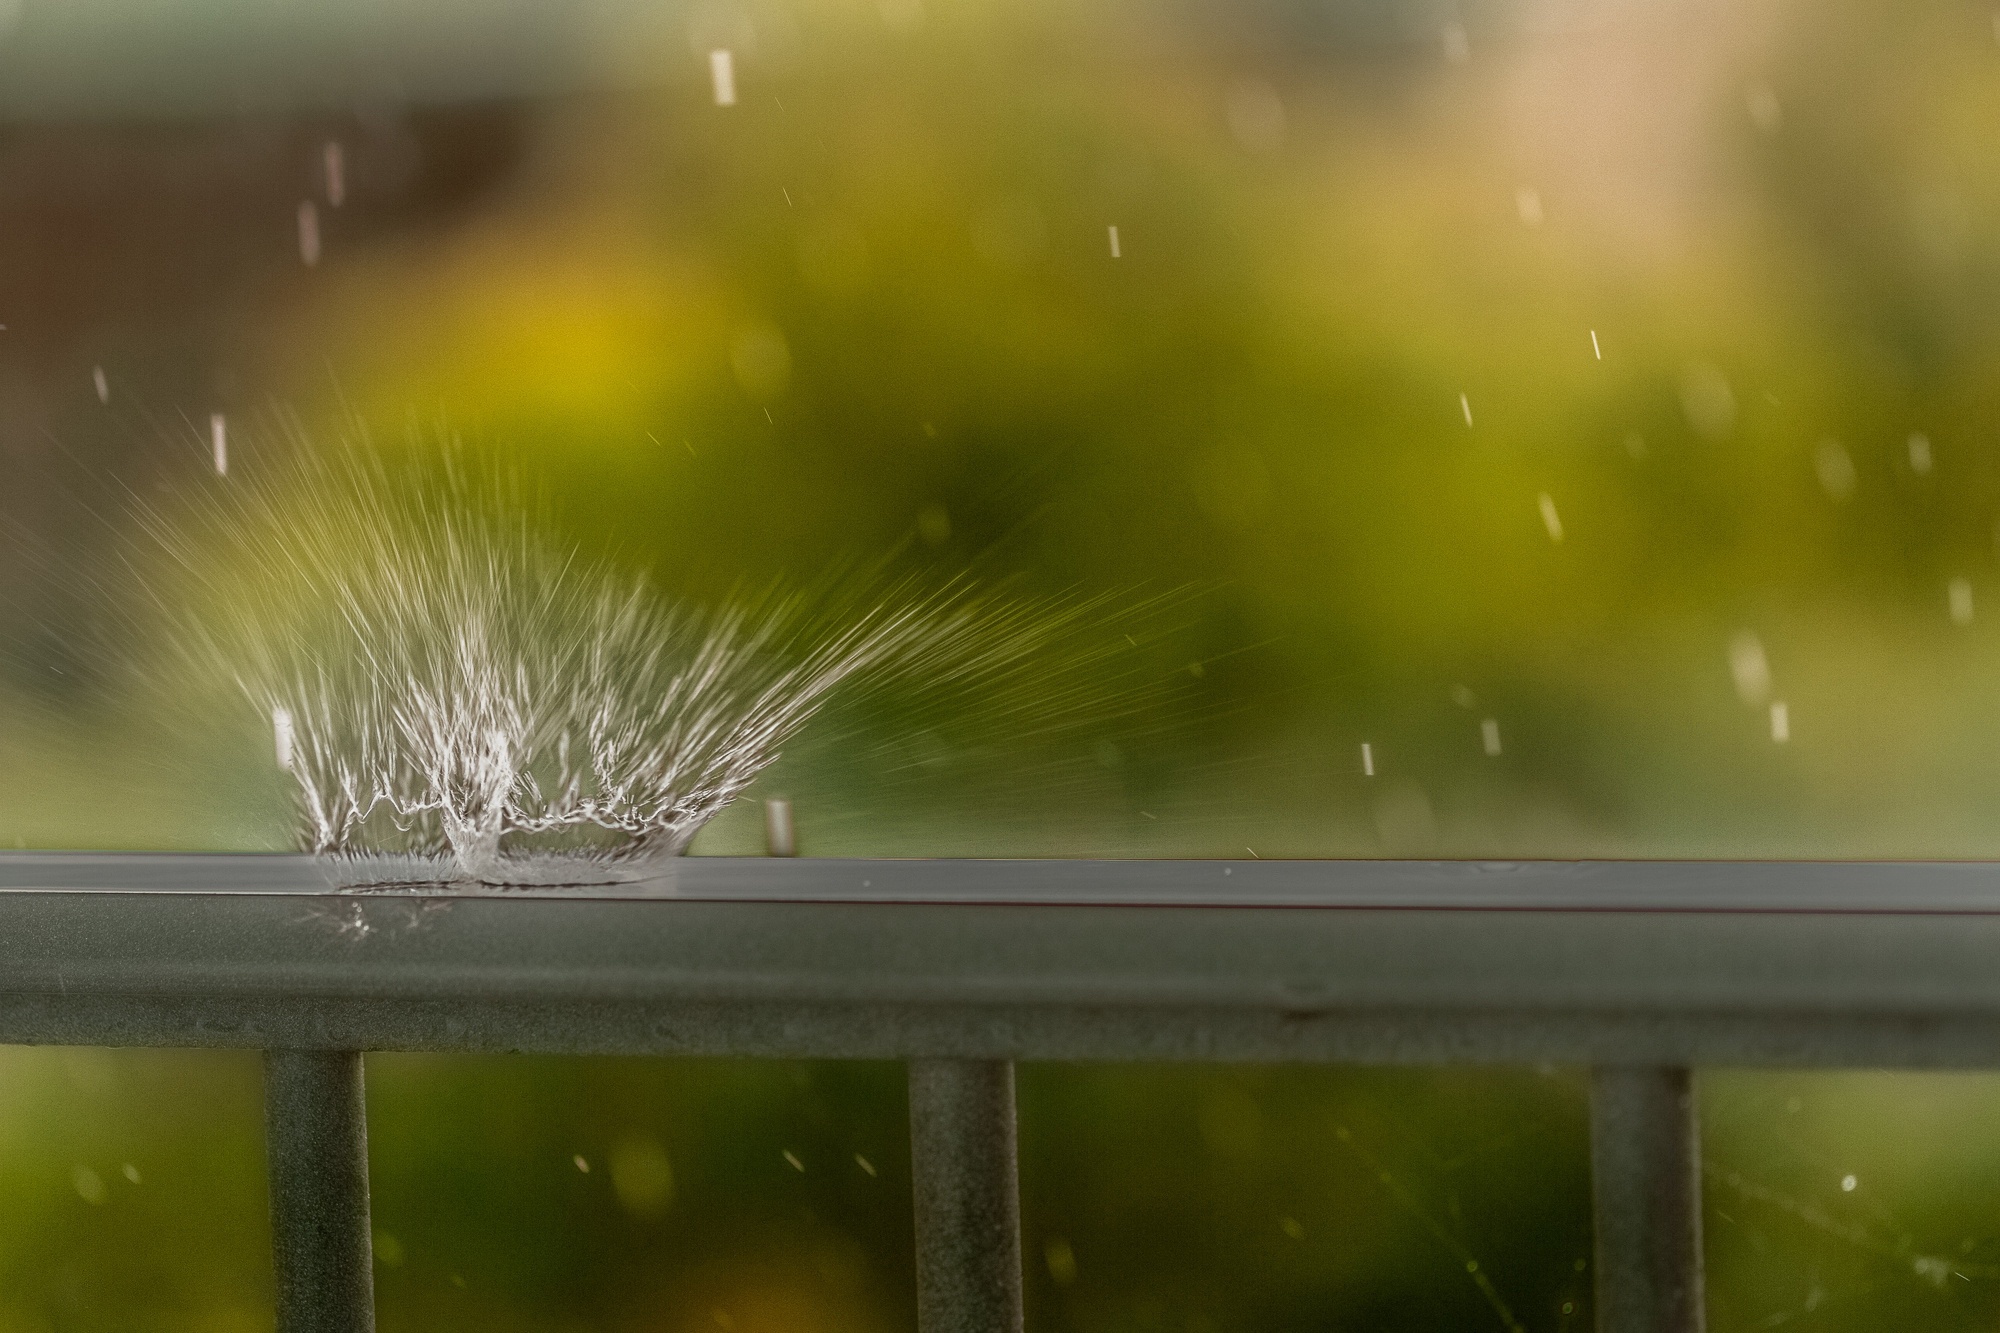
[1550, 518]
[282, 736]
[1113, 231]
[218, 440]
[1594, 347]
[1465, 407]
[1489, 736]
[1367, 760]
[102, 385]
[1781, 721]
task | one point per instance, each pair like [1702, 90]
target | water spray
[457, 701]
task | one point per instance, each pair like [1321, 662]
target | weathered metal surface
[1645, 1160]
[1873, 985]
[1708, 886]
[316, 1134]
[968, 1206]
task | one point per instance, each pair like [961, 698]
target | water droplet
[792, 1158]
[1489, 735]
[722, 75]
[1762, 103]
[1256, 116]
[1367, 760]
[1781, 722]
[1457, 43]
[1113, 230]
[1834, 468]
[1959, 597]
[1750, 668]
[334, 162]
[309, 232]
[1920, 454]
[281, 732]
[1847, 1184]
[1550, 519]
[1061, 1260]
[218, 439]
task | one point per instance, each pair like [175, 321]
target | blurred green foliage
[1509, 362]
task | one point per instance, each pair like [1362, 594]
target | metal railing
[1641, 971]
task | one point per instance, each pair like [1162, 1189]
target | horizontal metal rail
[1641, 970]
[1832, 978]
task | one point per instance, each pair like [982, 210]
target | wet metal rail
[1641, 971]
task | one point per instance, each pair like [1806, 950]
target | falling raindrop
[1061, 1260]
[1489, 735]
[582, 1163]
[722, 74]
[1113, 229]
[1848, 1184]
[780, 836]
[218, 439]
[102, 384]
[1920, 454]
[1457, 43]
[1256, 116]
[281, 731]
[1781, 722]
[792, 1159]
[1550, 518]
[1959, 596]
[1367, 760]
[1465, 407]
[1750, 668]
[309, 232]
[1707, 400]
[1595, 349]
[334, 161]
[1765, 113]
[1835, 468]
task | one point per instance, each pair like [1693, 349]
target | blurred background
[1585, 405]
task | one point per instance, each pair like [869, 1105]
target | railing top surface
[1871, 887]
[1661, 962]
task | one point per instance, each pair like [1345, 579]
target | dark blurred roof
[95, 58]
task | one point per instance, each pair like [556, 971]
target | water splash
[456, 700]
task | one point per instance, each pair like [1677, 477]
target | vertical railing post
[968, 1201]
[1645, 1159]
[316, 1139]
